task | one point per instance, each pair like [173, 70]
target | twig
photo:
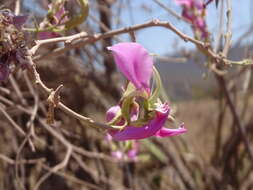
[17, 7]
[5, 90]
[173, 13]
[17, 90]
[14, 124]
[236, 117]
[53, 101]
[72, 178]
[56, 168]
[64, 108]
[66, 39]
[228, 35]
[40, 162]
[12, 162]
[154, 23]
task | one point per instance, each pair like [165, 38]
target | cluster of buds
[195, 12]
[58, 19]
[140, 113]
[12, 43]
[54, 22]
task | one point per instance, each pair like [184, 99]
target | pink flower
[136, 64]
[194, 11]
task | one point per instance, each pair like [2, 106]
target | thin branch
[13, 123]
[228, 35]
[170, 11]
[56, 168]
[65, 39]
[86, 120]
[206, 49]
[17, 90]
[17, 7]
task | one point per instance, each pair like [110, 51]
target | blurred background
[211, 155]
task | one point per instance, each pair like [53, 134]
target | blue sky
[161, 41]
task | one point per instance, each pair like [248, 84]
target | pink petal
[165, 132]
[131, 132]
[134, 62]
[111, 112]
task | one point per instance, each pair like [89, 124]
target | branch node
[53, 101]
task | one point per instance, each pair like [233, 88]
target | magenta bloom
[134, 62]
[194, 11]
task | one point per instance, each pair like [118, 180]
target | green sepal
[126, 108]
[128, 100]
[156, 93]
[129, 90]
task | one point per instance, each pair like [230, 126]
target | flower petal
[131, 132]
[134, 62]
[165, 132]
[111, 112]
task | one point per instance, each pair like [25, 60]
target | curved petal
[111, 112]
[131, 132]
[134, 62]
[165, 132]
